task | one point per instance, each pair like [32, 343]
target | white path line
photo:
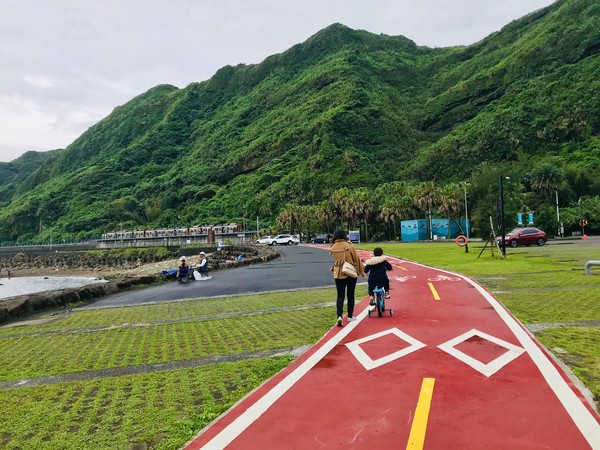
[235, 428]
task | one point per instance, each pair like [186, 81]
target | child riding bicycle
[377, 268]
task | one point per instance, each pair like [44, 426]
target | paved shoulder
[299, 267]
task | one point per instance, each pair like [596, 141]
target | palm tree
[362, 206]
[396, 204]
[288, 218]
[307, 219]
[450, 203]
[341, 204]
[325, 213]
[426, 197]
[396, 209]
[546, 178]
[348, 163]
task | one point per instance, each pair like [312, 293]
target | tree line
[378, 211]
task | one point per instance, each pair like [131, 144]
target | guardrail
[588, 266]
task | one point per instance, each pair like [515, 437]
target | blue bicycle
[379, 294]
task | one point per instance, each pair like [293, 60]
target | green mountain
[346, 108]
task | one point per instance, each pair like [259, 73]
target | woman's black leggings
[341, 285]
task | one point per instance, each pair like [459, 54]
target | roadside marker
[416, 439]
[433, 291]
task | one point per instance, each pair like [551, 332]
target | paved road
[299, 267]
[450, 369]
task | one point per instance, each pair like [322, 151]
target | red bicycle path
[450, 369]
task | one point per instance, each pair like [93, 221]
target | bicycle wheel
[380, 304]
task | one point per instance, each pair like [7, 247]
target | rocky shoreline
[120, 277]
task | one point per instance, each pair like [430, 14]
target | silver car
[264, 239]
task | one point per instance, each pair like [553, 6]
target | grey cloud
[72, 62]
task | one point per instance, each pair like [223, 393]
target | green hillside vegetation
[348, 128]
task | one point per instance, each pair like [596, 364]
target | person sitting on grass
[377, 268]
[183, 269]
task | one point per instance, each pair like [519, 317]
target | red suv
[524, 236]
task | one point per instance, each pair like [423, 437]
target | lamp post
[560, 228]
[430, 225]
[502, 227]
[466, 210]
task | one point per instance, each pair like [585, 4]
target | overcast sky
[65, 64]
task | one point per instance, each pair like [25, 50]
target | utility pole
[430, 225]
[560, 228]
[466, 210]
[502, 228]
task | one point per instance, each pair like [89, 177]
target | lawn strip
[106, 317]
[148, 368]
[556, 306]
[160, 410]
[32, 357]
[163, 322]
[546, 281]
[548, 289]
[579, 348]
[537, 327]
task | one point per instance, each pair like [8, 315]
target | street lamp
[560, 228]
[430, 225]
[466, 210]
[502, 228]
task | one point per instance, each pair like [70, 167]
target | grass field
[152, 376]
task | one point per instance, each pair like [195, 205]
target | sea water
[11, 287]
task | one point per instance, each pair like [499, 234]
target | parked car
[264, 239]
[320, 239]
[284, 239]
[524, 236]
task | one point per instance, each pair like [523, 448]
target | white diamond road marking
[370, 363]
[486, 369]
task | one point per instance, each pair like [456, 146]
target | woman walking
[343, 251]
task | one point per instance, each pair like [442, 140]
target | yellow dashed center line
[433, 291]
[400, 267]
[416, 439]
